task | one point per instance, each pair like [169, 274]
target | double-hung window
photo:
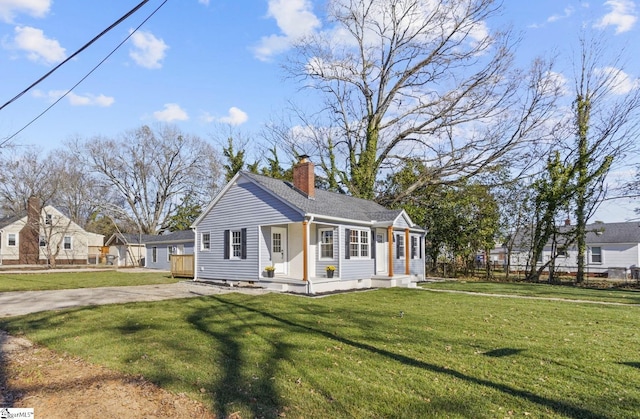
[154, 254]
[400, 246]
[414, 247]
[326, 244]
[205, 241]
[596, 254]
[235, 244]
[358, 243]
[43, 241]
[11, 239]
[67, 243]
[170, 251]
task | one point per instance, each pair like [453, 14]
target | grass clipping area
[53, 280]
[384, 353]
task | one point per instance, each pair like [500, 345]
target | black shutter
[398, 246]
[421, 240]
[347, 242]
[243, 232]
[226, 243]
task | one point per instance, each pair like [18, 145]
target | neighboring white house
[613, 250]
[46, 235]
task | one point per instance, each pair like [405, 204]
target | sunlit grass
[85, 279]
[355, 355]
[540, 290]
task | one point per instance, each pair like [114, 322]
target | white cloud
[236, 117]
[568, 11]
[35, 8]
[148, 51]
[171, 112]
[622, 15]
[75, 99]
[294, 18]
[618, 82]
[38, 47]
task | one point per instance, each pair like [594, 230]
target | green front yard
[385, 353]
[53, 280]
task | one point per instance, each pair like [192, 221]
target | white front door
[279, 249]
[382, 248]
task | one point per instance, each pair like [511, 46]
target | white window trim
[360, 243]
[415, 248]
[170, 251]
[591, 256]
[15, 239]
[202, 248]
[233, 234]
[64, 243]
[320, 243]
[401, 252]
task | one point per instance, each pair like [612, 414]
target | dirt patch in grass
[61, 386]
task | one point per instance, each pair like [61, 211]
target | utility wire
[132, 11]
[85, 46]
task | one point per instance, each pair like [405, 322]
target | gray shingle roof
[329, 204]
[176, 236]
[613, 233]
[5, 221]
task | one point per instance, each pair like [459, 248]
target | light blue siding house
[256, 224]
[160, 248]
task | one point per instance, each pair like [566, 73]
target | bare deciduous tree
[152, 170]
[417, 78]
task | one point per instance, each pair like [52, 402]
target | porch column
[390, 252]
[305, 250]
[407, 253]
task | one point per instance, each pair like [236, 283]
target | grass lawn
[540, 290]
[354, 355]
[86, 279]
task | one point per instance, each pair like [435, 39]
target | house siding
[243, 205]
[354, 268]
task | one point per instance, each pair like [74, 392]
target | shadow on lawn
[499, 353]
[631, 364]
[558, 406]
[6, 395]
[257, 392]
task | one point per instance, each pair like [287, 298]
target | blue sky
[203, 64]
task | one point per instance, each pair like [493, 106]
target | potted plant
[270, 271]
[330, 270]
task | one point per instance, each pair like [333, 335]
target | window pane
[236, 244]
[12, 239]
[326, 244]
[364, 243]
[206, 241]
[67, 242]
[596, 254]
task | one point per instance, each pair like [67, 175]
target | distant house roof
[6, 221]
[325, 203]
[613, 233]
[182, 236]
[598, 233]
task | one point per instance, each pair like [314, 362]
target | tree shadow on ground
[257, 392]
[6, 394]
[499, 353]
[631, 364]
[557, 406]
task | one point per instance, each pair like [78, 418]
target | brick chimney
[304, 178]
[567, 222]
[29, 236]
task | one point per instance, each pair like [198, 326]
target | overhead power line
[113, 25]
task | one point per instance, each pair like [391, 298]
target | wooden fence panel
[183, 266]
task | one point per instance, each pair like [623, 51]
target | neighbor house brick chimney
[567, 222]
[29, 236]
[304, 178]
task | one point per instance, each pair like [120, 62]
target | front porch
[322, 285]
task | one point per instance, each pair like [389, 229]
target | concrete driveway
[25, 302]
